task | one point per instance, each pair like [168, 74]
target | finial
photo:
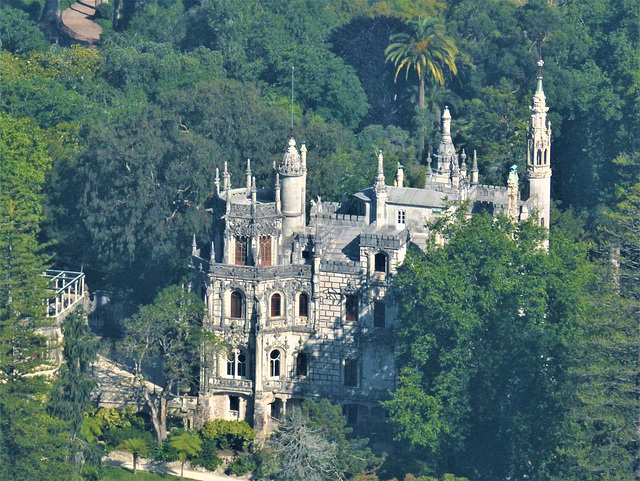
[540, 65]
[194, 246]
[253, 185]
[216, 182]
[212, 255]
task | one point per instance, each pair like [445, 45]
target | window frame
[351, 308]
[301, 303]
[241, 252]
[350, 372]
[237, 306]
[276, 310]
[266, 250]
[275, 364]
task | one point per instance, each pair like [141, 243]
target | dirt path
[120, 459]
[77, 18]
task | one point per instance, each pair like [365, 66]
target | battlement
[344, 267]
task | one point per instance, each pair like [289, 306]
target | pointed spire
[254, 191]
[212, 255]
[474, 169]
[248, 176]
[226, 178]
[194, 247]
[380, 180]
[217, 182]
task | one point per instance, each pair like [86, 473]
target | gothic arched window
[274, 363]
[276, 305]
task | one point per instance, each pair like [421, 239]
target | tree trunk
[51, 18]
[158, 410]
[135, 463]
[182, 471]
[422, 126]
[116, 13]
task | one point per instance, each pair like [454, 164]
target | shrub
[228, 434]
[208, 457]
[243, 464]
[104, 10]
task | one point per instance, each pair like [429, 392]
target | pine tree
[31, 446]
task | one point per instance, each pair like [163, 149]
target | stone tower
[293, 175]
[539, 154]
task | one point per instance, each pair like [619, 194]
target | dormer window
[401, 218]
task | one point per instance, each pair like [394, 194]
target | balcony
[67, 291]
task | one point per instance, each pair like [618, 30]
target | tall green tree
[427, 50]
[31, 446]
[165, 337]
[71, 395]
[483, 326]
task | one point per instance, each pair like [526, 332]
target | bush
[236, 435]
[104, 10]
[208, 457]
[114, 437]
[243, 464]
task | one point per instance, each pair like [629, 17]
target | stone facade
[305, 307]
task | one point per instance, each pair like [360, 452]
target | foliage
[137, 447]
[18, 34]
[484, 325]
[228, 434]
[243, 464]
[312, 444]
[166, 335]
[188, 445]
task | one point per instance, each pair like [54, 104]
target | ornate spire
[217, 182]
[446, 151]
[212, 255]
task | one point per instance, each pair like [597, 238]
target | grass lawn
[120, 474]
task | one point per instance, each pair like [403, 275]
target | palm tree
[137, 447]
[187, 444]
[425, 49]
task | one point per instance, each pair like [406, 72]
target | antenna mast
[292, 69]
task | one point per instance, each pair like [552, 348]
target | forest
[109, 156]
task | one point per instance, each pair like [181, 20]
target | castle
[306, 307]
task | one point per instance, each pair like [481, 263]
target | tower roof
[291, 164]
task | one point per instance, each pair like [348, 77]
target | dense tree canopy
[483, 328]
